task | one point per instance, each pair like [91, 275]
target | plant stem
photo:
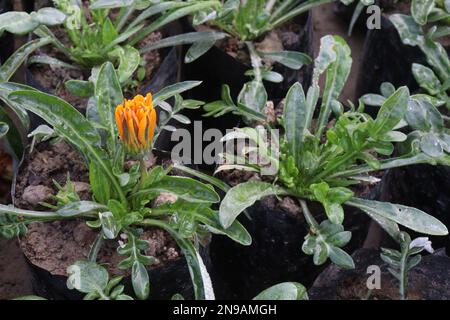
[308, 216]
[256, 61]
[403, 273]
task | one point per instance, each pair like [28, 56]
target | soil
[430, 280]
[280, 39]
[56, 245]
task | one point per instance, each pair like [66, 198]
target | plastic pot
[424, 187]
[7, 39]
[275, 255]
[165, 280]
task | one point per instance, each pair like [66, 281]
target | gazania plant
[115, 130]
[98, 33]
[321, 159]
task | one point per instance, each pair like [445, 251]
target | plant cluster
[324, 151]
[320, 160]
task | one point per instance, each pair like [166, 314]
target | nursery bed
[324, 22]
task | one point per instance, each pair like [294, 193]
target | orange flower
[136, 120]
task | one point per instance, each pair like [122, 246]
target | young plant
[434, 81]
[97, 34]
[121, 197]
[401, 262]
[319, 160]
[248, 21]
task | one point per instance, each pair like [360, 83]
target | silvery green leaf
[426, 78]
[49, 16]
[243, 196]
[284, 291]
[431, 145]
[340, 258]
[422, 115]
[371, 99]
[420, 9]
[140, 280]
[387, 89]
[87, 277]
[410, 32]
[197, 50]
[109, 226]
[409, 217]
[291, 59]
[253, 95]
[181, 118]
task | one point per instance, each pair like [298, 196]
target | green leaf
[87, 277]
[409, 217]
[30, 298]
[423, 116]
[185, 188]
[426, 78]
[391, 112]
[340, 239]
[341, 258]
[320, 253]
[387, 89]
[11, 226]
[110, 4]
[197, 50]
[291, 59]
[174, 89]
[296, 119]
[129, 60]
[253, 96]
[80, 88]
[69, 124]
[200, 278]
[156, 9]
[109, 32]
[185, 38]
[109, 225]
[19, 56]
[284, 291]
[109, 94]
[420, 9]
[430, 144]
[335, 212]
[410, 32]
[140, 280]
[338, 71]
[371, 99]
[80, 208]
[49, 16]
[243, 196]
[17, 22]
[53, 62]
[174, 15]
[236, 231]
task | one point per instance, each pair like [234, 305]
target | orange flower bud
[136, 120]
